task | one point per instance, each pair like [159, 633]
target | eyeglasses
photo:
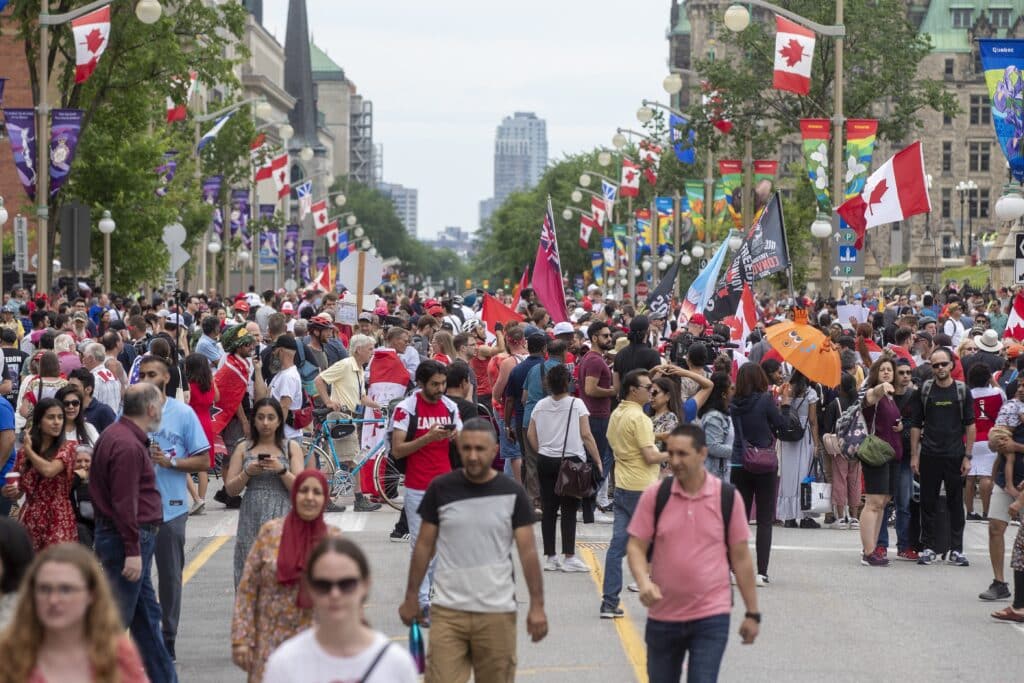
[72, 404]
[61, 590]
[903, 372]
[645, 387]
[655, 392]
[325, 586]
[944, 364]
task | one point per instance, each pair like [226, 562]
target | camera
[681, 343]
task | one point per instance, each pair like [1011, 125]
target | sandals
[1008, 614]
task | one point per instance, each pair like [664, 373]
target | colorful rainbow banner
[1003, 64]
[695, 200]
[664, 206]
[597, 265]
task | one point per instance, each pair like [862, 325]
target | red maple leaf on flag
[877, 193]
[322, 217]
[793, 52]
[630, 175]
[94, 40]
[281, 175]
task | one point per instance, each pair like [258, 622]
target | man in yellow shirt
[347, 391]
[631, 435]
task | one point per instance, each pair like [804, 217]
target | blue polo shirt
[6, 422]
[516, 384]
[180, 436]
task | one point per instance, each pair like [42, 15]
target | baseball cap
[1014, 351]
[287, 307]
[80, 315]
[563, 328]
[365, 317]
[174, 319]
[242, 306]
[435, 310]
[698, 319]
[286, 341]
[924, 336]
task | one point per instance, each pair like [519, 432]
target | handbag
[757, 459]
[873, 451]
[815, 493]
[575, 476]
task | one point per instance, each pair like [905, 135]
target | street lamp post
[214, 248]
[106, 226]
[965, 189]
[148, 12]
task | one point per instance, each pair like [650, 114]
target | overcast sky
[443, 74]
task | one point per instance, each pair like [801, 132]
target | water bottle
[416, 647]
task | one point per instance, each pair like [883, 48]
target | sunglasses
[655, 392]
[325, 586]
[645, 387]
[944, 364]
[903, 372]
[72, 404]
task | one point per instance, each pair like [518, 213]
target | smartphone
[263, 456]
[448, 427]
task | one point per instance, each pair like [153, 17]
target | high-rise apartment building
[520, 156]
[406, 201]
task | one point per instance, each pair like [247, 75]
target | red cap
[241, 305]
[697, 319]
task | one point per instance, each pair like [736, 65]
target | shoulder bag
[756, 459]
[874, 451]
[575, 476]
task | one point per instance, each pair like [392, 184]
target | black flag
[660, 300]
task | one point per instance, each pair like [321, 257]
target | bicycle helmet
[457, 300]
[321, 321]
[471, 325]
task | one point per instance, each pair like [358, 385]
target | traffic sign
[1018, 259]
[847, 261]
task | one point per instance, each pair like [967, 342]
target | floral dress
[266, 498]
[47, 513]
[266, 613]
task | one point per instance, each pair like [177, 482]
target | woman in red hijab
[270, 604]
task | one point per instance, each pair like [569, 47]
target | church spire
[298, 77]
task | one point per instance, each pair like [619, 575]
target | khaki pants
[478, 643]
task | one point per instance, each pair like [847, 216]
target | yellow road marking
[202, 558]
[632, 644]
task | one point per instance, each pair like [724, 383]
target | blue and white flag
[685, 151]
[304, 191]
[212, 133]
[609, 191]
[702, 287]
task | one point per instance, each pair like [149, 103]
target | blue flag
[212, 133]
[684, 149]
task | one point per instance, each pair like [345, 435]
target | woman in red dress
[46, 464]
[202, 394]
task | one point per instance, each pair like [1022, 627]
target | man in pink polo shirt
[685, 586]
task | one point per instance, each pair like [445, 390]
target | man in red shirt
[424, 423]
[690, 617]
[595, 387]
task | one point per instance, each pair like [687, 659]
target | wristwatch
[174, 463]
[756, 616]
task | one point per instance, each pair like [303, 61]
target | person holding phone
[264, 466]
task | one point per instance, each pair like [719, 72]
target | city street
[826, 617]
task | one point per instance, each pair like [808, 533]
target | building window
[947, 246]
[949, 68]
[979, 156]
[979, 203]
[947, 120]
[790, 154]
[947, 202]
[962, 17]
[1000, 17]
[981, 112]
[947, 157]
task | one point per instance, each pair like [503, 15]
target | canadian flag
[587, 225]
[630, 181]
[319, 210]
[91, 34]
[1015, 321]
[279, 169]
[742, 324]
[332, 239]
[598, 210]
[179, 112]
[326, 229]
[322, 281]
[258, 151]
[895, 191]
[794, 49]
[650, 157]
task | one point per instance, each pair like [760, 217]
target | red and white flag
[742, 324]
[547, 270]
[1015, 321]
[91, 33]
[279, 169]
[332, 239]
[326, 229]
[387, 379]
[895, 191]
[599, 210]
[259, 153]
[322, 281]
[629, 185]
[650, 157]
[179, 112]
[319, 210]
[587, 226]
[794, 50]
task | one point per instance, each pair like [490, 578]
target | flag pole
[656, 238]
[677, 237]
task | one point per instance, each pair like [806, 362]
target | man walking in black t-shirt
[941, 441]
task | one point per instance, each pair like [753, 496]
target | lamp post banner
[21, 128]
[306, 261]
[597, 265]
[664, 207]
[240, 216]
[1002, 61]
[695, 202]
[291, 239]
[65, 127]
[165, 172]
[815, 134]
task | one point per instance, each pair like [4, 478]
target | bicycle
[387, 480]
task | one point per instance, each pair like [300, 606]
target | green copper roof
[321, 63]
[938, 23]
[682, 27]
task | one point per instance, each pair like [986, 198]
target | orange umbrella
[807, 349]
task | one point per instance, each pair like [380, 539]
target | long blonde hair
[19, 643]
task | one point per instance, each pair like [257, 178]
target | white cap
[592, 288]
[563, 328]
[576, 314]
[175, 319]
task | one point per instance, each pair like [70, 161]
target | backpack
[308, 370]
[665, 491]
[851, 430]
[926, 389]
[793, 430]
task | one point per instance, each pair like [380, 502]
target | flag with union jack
[547, 270]
[304, 191]
[609, 190]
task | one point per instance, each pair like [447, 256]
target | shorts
[999, 505]
[982, 460]
[880, 481]
[347, 447]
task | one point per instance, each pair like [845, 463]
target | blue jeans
[904, 489]
[599, 428]
[668, 643]
[413, 498]
[624, 504]
[508, 450]
[137, 599]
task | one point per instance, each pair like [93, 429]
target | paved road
[826, 617]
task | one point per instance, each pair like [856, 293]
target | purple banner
[268, 248]
[211, 189]
[3, 82]
[21, 129]
[291, 239]
[165, 172]
[306, 261]
[321, 261]
[267, 211]
[240, 216]
[65, 127]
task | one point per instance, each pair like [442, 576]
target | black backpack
[792, 429]
[665, 491]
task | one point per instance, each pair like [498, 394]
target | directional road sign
[847, 261]
[1018, 259]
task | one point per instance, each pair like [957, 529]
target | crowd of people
[118, 411]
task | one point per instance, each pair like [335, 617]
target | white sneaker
[841, 524]
[633, 588]
[854, 524]
[602, 518]
[552, 564]
[574, 564]
[761, 581]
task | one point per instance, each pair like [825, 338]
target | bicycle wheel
[389, 481]
[339, 481]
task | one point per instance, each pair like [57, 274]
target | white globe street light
[619, 141]
[351, 220]
[737, 18]
[3, 213]
[623, 282]
[697, 251]
[644, 114]
[685, 260]
[672, 83]
[365, 244]
[213, 247]
[567, 215]
[340, 200]
[373, 251]
[646, 265]
[821, 227]
[263, 110]
[637, 272]
[735, 241]
[604, 158]
[585, 180]
[306, 154]
[285, 131]
[576, 196]
[106, 226]
[148, 11]
[1009, 207]
[662, 266]
[358, 232]
[242, 254]
[622, 272]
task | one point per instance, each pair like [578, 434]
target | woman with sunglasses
[75, 427]
[271, 605]
[46, 464]
[67, 627]
[341, 645]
